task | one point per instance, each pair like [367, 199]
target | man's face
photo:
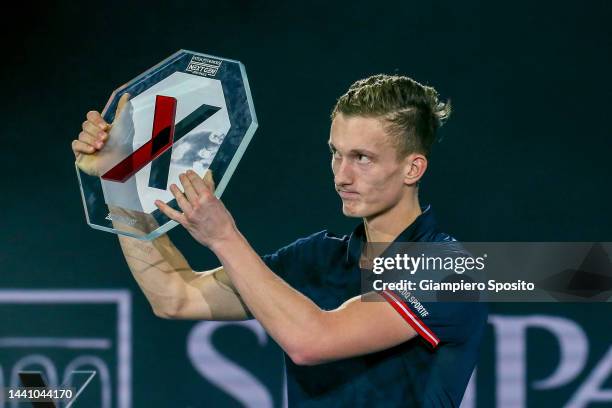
[367, 174]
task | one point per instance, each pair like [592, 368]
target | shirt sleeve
[292, 261]
[437, 322]
[280, 261]
[273, 261]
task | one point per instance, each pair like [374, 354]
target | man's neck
[386, 227]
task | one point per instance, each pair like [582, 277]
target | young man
[341, 351]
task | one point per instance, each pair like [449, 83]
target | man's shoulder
[306, 253]
[318, 241]
[438, 236]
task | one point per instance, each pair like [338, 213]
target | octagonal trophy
[190, 111]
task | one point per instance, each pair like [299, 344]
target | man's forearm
[160, 270]
[171, 286]
[288, 316]
[158, 266]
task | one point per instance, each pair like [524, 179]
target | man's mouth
[346, 194]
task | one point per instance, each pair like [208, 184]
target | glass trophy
[190, 111]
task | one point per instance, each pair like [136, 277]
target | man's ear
[414, 168]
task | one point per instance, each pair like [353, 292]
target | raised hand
[93, 138]
[204, 215]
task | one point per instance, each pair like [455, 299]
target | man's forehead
[350, 132]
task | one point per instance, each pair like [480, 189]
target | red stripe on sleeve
[411, 318]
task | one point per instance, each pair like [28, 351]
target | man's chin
[352, 212]
[358, 210]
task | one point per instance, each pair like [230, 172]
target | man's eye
[335, 154]
[362, 158]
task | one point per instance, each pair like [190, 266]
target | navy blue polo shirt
[430, 370]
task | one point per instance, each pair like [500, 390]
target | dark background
[525, 155]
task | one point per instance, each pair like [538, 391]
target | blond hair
[412, 111]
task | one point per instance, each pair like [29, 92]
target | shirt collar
[420, 229]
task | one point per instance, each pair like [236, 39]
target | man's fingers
[170, 212]
[121, 104]
[94, 130]
[93, 135]
[95, 118]
[180, 198]
[190, 191]
[198, 184]
[208, 179]
[90, 140]
[82, 147]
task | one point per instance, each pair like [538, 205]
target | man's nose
[342, 173]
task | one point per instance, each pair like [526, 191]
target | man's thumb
[121, 104]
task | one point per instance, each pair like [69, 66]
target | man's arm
[174, 289]
[169, 283]
[308, 334]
